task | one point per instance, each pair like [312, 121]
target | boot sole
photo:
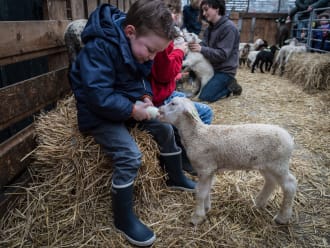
[148, 242]
[182, 188]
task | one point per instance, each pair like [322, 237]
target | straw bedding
[68, 203]
[311, 70]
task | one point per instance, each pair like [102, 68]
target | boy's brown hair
[151, 17]
[174, 5]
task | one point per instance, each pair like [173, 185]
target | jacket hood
[106, 23]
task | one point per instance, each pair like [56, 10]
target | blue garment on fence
[204, 111]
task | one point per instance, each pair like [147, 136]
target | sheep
[264, 57]
[243, 54]
[285, 53]
[72, 38]
[283, 31]
[212, 148]
[251, 58]
[196, 62]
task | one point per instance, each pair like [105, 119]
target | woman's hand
[195, 47]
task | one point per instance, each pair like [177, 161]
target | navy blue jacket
[105, 78]
[191, 19]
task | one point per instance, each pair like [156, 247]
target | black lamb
[264, 57]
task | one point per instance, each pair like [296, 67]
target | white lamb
[210, 148]
[286, 52]
[196, 62]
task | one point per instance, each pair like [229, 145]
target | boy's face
[145, 47]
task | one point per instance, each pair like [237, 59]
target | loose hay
[56, 211]
[310, 70]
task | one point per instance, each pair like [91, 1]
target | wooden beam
[77, 9]
[23, 37]
[36, 54]
[29, 96]
[54, 10]
[11, 153]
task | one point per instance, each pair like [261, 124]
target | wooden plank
[27, 97]
[9, 195]
[22, 37]
[121, 5]
[32, 55]
[77, 9]
[58, 61]
[253, 22]
[91, 6]
[114, 2]
[12, 151]
[54, 9]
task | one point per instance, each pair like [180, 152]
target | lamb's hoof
[196, 219]
[281, 220]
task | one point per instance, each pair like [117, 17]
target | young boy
[167, 65]
[108, 77]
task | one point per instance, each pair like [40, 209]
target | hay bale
[310, 70]
[70, 192]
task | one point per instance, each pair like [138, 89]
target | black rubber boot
[172, 164]
[235, 88]
[186, 165]
[126, 221]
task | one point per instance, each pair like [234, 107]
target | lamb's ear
[192, 112]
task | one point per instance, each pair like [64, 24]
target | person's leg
[216, 88]
[126, 160]
[170, 154]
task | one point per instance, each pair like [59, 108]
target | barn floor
[233, 221]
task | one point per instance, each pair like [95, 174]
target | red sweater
[167, 64]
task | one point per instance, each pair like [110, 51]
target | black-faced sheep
[283, 31]
[264, 57]
[211, 148]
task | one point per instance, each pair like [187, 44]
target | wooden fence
[23, 41]
[26, 40]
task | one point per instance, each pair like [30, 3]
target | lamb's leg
[261, 66]
[207, 202]
[203, 188]
[267, 190]
[288, 184]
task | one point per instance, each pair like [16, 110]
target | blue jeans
[120, 146]
[216, 88]
[204, 111]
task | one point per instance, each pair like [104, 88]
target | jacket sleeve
[301, 5]
[223, 48]
[167, 65]
[320, 4]
[98, 80]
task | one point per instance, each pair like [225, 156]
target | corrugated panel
[264, 6]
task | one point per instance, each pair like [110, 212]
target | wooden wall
[256, 25]
[23, 41]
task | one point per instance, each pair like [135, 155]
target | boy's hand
[140, 111]
[144, 110]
